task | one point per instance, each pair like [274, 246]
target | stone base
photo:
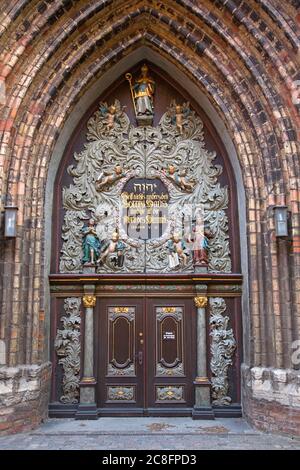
[271, 399]
[87, 411]
[144, 120]
[24, 397]
[203, 412]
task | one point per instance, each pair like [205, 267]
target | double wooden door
[146, 356]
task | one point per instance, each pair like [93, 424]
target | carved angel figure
[106, 179]
[179, 178]
[181, 112]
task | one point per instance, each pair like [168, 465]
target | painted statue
[106, 179]
[176, 248]
[179, 114]
[142, 93]
[111, 115]
[91, 244]
[179, 178]
[114, 245]
[200, 238]
[179, 118]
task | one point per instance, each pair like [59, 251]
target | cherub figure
[181, 113]
[106, 179]
[177, 254]
[179, 178]
[179, 118]
[111, 114]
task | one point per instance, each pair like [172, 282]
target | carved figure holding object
[106, 179]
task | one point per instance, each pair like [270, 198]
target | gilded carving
[223, 346]
[169, 393]
[162, 371]
[200, 301]
[120, 393]
[89, 301]
[113, 368]
[128, 371]
[67, 347]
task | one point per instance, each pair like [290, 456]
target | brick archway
[243, 58]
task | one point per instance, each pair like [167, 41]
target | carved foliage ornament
[223, 346]
[169, 393]
[116, 152]
[67, 347]
[120, 393]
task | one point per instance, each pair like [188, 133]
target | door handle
[140, 357]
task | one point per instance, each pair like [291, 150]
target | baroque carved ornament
[129, 181]
[67, 347]
[223, 346]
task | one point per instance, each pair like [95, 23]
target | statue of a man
[200, 239]
[115, 245]
[143, 93]
[177, 247]
[90, 243]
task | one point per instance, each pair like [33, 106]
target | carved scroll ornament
[113, 155]
[67, 347]
[223, 346]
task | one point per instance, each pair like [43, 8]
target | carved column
[87, 408]
[202, 408]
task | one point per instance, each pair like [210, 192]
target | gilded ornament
[200, 302]
[89, 301]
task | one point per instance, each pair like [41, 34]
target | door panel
[146, 355]
[120, 380]
[171, 365]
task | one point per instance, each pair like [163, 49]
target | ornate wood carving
[144, 152]
[67, 347]
[169, 393]
[120, 393]
[169, 342]
[120, 338]
[222, 348]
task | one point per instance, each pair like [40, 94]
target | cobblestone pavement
[146, 434]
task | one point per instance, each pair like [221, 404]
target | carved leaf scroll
[223, 346]
[67, 347]
[144, 152]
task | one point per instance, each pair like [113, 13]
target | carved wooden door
[146, 356]
[171, 355]
[121, 356]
